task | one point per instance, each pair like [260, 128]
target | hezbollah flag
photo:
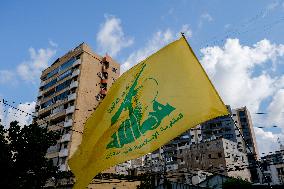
[152, 103]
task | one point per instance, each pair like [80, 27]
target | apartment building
[70, 90]
[219, 156]
[243, 134]
[273, 168]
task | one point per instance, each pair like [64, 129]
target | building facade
[219, 156]
[273, 168]
[70, 90]
[236, 127]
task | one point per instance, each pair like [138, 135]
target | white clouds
[205, 17]
[158, 40]
[232, 68]
[267, 141]
[30, 70]
[276, 110]
[11, 114]
[52, 43]
[111, 38]
[186, 30]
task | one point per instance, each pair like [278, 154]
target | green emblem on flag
[131, 128]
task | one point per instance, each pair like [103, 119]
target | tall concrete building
[273, 168]
[224, 127]
[70, 90]
[216, 156]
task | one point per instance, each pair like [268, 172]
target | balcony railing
[42, 83]
[40, 93]
[74, 84]
[53, 149]
[63, 153]
[57, 110]
[103, 92]
[68, 123]
[66, 137]
[70, 109]
[72, 96]
[104, 81]
[75, 73]
[43, 125]
[77, 62]
[63, 167]
[35, 114]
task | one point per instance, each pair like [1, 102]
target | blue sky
[239, 43]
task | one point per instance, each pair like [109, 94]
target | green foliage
[236, 183]
[22, 156]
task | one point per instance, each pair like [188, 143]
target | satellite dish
[195, 180]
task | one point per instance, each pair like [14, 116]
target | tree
[236, 183]
[22, 156]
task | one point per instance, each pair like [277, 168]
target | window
[52, 73]
[209, 156]
[242, 113]
[243, 119]
[61, 96]
[219, 155]
[47, 103]
[64, 75]
[196, 158]
[51, 83]
[60, 68]
[67, 64]
[63, 160]
[63, 85]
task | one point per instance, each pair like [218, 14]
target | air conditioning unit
[98, 97]
[100, 74]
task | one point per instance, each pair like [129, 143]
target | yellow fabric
[152, 103]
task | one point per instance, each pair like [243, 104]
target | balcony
[66, 137]
[53, 149]
[72, 96]
[74, 84]
[40, 93]
[104, 81]
[103, 92]
[70, 109]
[63, 167]
[63, 153]
[36, 114]
[43, 125]
[75, 73]
[104, 69]
[57, 110]
[68, 123]
[37, 103]
[42, 83]
[77, 62]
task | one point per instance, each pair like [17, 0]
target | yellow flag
[152, 103]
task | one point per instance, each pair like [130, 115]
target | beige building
[70, 90]
[217, 156]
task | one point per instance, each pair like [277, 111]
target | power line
[35, 117]
[253, 154]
